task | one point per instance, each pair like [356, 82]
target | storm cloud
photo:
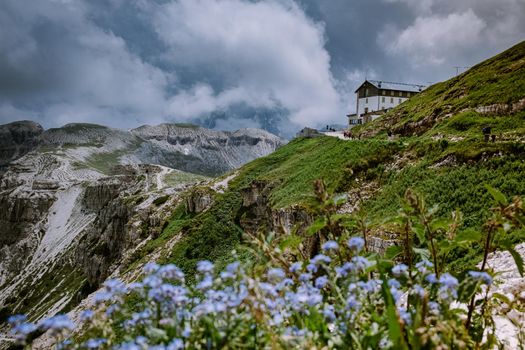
[278, 64]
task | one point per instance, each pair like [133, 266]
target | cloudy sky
[278, 64]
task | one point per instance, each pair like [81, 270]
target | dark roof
[387, 85]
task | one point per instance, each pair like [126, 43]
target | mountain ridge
[187, 148]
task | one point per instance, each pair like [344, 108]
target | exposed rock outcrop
[17, 139]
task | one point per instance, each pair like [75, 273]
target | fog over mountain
[229, 64]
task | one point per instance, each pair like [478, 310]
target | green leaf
[468, 235]
[422, 252]
[497, 195]
[419, 230]
[517, 259]
[440, 224]
[317, 226]
[502, 298]
[340, 199]
[291, 241]
[467, 289]
[157, 334]
[393, 251]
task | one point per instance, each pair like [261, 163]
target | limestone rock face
[107, 237]
[199, 150]
[199, 200]
[257, 213]
[18, 138]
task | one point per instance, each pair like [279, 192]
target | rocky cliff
[16, 139]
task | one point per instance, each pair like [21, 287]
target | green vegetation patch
[178, 220]
[452, 187]
[186, 125]
[292, 169]
[104, 162]
[177, 177]
[211, 235]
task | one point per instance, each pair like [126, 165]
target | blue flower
[320, 282]
[399, 270]
[394, 289]
[449, 281]
[320, 258]
[329, 313]
[276, 274]
[342, 271]
[312, 268]
[16, 319]
[205, 266]
[152, 281]
[370, 286]
[433, 307]
[352, 303]
[356, 244]
[431, 278]
[305, 277]
[231, 270]
[448, 286]
[86, 315]
[296, 267]
[57, 323]
[424, 267]
[95, 343]
[392, 283]
[24, 328]
[330, 246]
[419, 290]
[101, 297]
[176, 344]
[113, 285]
[171, 272]
[481, 277]
[112, 309]
[205, 283]
[151, 268]
[405, 316]
[130, 346]
[360, 264]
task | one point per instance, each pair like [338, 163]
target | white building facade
[374, 98]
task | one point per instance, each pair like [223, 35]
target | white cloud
[447, 33]
[75, 70]
[269, 53]
[430, 40]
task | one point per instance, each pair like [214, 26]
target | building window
[392, 93]
[366, 101]
[366, 92]
[391, 100]
[400, 93]
[383, 99]
[383, 92]
[399, 100]
[366, 110]
[408, 94]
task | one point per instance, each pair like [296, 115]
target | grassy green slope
[447, 161]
